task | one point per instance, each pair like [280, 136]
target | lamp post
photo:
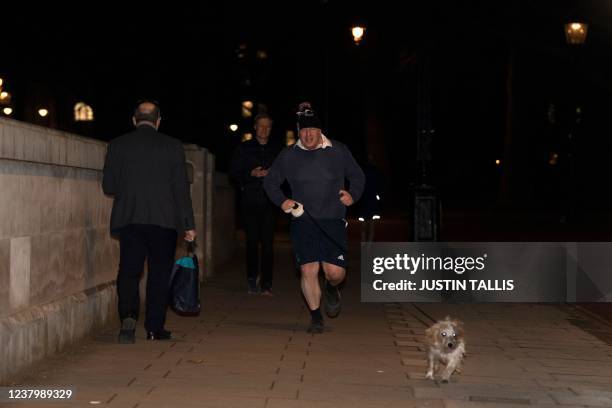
[425, 202]
[575, 35]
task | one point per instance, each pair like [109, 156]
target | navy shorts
[311, 244]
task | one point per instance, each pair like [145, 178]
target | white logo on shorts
[341, 257]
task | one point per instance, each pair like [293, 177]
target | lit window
[553, 158]
[83, 112]
[241, 51]
[247, 107]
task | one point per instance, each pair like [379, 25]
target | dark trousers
[259, 222]
[157, 245]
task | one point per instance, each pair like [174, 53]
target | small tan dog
[446, 346]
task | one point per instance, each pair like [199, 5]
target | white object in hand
[297, 210]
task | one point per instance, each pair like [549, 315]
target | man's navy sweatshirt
[316, 178]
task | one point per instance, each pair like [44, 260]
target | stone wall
[58, 261]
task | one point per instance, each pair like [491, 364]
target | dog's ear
[432, 333]
[458, 326]
[429, 333]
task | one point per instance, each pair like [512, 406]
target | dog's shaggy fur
[446, 348]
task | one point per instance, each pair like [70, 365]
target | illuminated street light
[497, 162]
[7, 111]
[43, 112]
[357, 32]
[233, 127]
[4, 95]
[576, 32]
[1, 82]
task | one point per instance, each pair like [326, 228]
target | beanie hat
[306, 117]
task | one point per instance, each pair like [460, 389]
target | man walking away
[145, 172]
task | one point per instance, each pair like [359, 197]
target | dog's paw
[429, 376]
[444, 380]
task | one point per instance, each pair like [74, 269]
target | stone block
[5, 275]
[19, 296]
[7, 142]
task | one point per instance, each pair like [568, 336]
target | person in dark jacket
[317, 168]
[248, 167]
[146, 173]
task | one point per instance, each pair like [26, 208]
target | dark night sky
[184, 55]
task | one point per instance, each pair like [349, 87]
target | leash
[338, 245]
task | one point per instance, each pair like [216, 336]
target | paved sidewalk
[253, 351]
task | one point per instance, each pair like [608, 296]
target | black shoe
[332, 300]
[127, 334]
[316, 326]
[159, 335]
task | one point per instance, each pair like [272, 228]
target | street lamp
[43, 112]
[575, 35]
[357, 32]
[576, 32]
[7, 111]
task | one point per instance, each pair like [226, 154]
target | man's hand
[259, 172]
[190, 235]
[287, 205]
[346, 198]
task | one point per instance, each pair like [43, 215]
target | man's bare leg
[310, 284]
[312, 294]
[333, 273]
